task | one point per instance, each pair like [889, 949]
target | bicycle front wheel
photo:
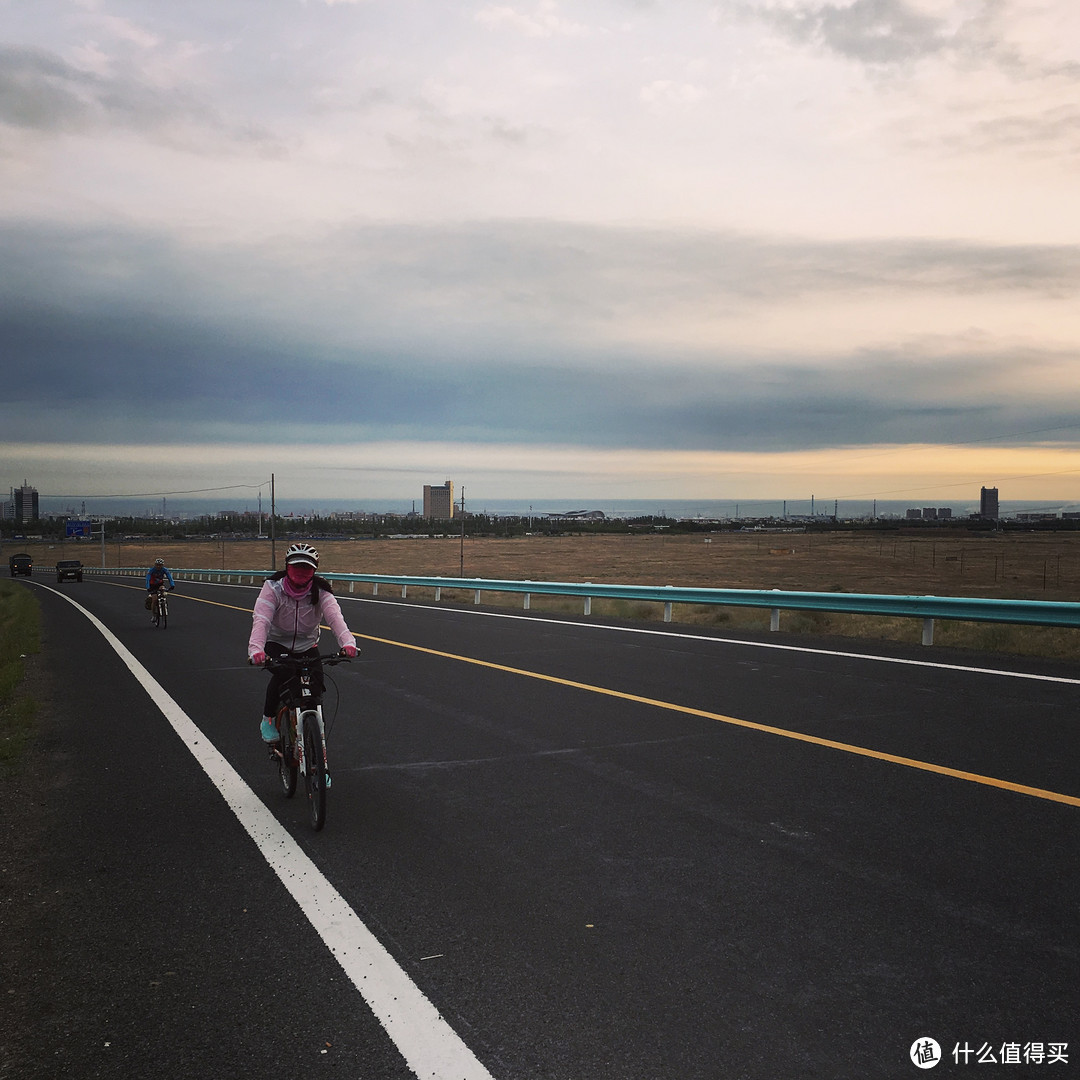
[316, 776]
[287, 767]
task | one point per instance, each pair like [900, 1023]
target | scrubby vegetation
[19, 638]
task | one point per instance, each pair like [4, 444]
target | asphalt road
[564, 838]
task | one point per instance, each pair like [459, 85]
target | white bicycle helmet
[302, 554]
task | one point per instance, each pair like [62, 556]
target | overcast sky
[652, 248]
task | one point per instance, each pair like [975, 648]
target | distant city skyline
[182, 505]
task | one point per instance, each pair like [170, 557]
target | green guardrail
[927, 608]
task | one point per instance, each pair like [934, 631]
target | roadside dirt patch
[28, 963]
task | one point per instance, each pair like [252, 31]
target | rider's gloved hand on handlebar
[349, 651]
[258, 659]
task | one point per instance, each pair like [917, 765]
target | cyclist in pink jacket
[287, 618]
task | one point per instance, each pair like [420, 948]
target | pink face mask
[298, 579]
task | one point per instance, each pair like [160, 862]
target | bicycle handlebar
[303, 661]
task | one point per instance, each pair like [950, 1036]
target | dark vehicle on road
[69, 569]
[21, 564]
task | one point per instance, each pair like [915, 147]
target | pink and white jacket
[295, 623]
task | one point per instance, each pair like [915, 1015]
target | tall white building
[25, 502]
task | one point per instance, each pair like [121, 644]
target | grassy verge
[19, 638]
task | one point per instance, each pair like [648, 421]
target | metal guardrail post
[928, 632]
[774, 620]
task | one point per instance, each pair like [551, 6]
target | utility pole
[273, 528]
[461, 569]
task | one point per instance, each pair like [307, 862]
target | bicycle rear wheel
[287, 768]
[315, 773]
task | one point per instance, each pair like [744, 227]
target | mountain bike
[159, 606]
[301, 749]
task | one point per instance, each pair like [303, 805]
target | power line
[159, 494]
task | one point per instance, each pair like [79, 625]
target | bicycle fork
[314, 717]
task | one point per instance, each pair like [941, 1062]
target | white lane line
[427, 1042]
[743, 643]
[777, 646]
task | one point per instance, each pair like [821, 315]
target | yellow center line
[687, 710]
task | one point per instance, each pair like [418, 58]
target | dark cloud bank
[489, 333]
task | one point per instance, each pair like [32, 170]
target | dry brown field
[1038, 566]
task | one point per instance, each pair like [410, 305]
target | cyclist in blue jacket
[154, 577]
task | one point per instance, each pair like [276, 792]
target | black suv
[69, 569]
[21, 564]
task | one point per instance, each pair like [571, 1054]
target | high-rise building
[26, 502]
[439, 501]
[988, 503]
